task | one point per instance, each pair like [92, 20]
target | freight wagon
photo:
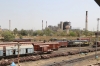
[51, 45]
[39, 49]
[9, 50]
[62, 42]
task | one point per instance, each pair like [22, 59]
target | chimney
[9, 25]
[42, 24]
[86, 25]
[46, 24]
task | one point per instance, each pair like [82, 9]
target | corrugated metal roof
[10, 47]
[47, 43]
[25, 46]
[43, 45]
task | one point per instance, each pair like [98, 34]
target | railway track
[70, 62]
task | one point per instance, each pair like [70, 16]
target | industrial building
[61, 26]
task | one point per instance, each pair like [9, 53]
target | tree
[23, 32]
[72, 33]
[15, 31]
[30, 32]
[48, 32]
[20, 36]
[8, 36]
[39, 32]
[34, 33]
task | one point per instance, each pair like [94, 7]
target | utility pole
[80, 41]
[18, 53]
[97, 36]
[18, 49]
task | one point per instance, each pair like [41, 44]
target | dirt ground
[59, 59]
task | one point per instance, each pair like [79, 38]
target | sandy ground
[59, 59]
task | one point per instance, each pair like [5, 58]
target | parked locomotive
[94, 44]
[78, 43]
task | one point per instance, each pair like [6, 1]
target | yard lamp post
[97, 36]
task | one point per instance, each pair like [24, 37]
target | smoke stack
[9, 24]
[42, 24]
[86, 25]
[46, 24]
[61, 25]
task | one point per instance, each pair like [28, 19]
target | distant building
[5, 29]
[61, 26]
[54, 28]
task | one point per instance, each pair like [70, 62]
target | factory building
[61, 26]
[54, 28]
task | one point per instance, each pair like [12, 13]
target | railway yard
[49, 33]
[55, 53]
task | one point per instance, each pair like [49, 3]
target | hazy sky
[28, 14]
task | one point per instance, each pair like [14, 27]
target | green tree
[23, 32]
[30, 32]
[34, 33]
[15, 31]
[61, 33]
[72, 33]
[8, 36]
[48, 32]
[39, 32]
[20, 36]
